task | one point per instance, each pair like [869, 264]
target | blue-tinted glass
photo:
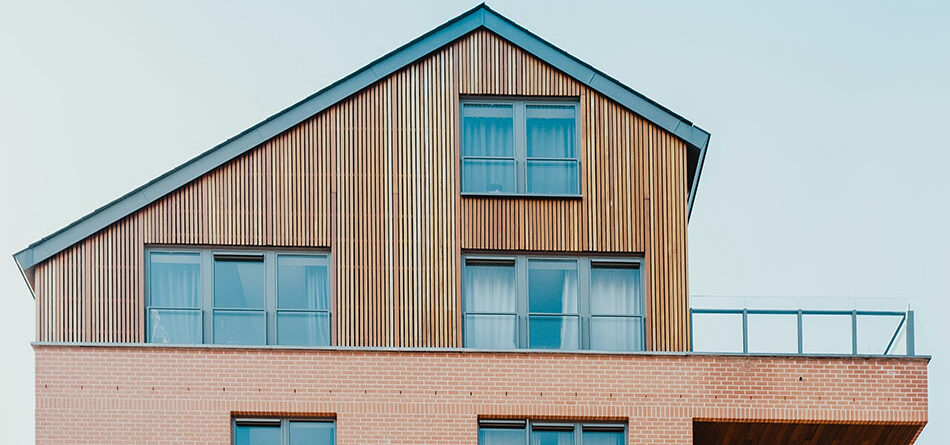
[552, 177]
[501, 436]
[615, 291]
[239, 284]
[491, 331]
[603, 437]
[176, 327]
[487, 130]
[550, 131]
[174, 279]
[488, 176]
[552, 437]
[302, 282]
[239, 328]
[256, 435]
[552, 286]
[553, 332]
[490, 288]
[616, 333]
[303, 328]
[311, 433]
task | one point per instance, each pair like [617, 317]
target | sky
[825, 174]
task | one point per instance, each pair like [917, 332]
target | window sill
[576, 197]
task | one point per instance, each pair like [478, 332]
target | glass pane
[616, 333]
[773, 333]
[174, 279]
[302, 282]
[553, 332]
[552, 286]
[491, 331]
[177, 327]
[876, 331]
[717, 332]
[552, 177]
[826, 334]
[550, 131]
[239, 328]
[603, 437]
[615, 291]
[239, 284]
[490, 288]
[257, 435]
[311, 433]
[488, 176]
[552, 437]
[488, 130]
[501, 436]
[303, 328]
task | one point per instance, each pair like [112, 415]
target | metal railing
[890, 332]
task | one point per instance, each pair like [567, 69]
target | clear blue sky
[825, 176]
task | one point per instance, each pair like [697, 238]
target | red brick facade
[187, 395]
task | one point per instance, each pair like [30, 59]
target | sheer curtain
[616, 292]
[488, 132]
[569, 325]
[490, 289]
[316, 286]
[175, 316]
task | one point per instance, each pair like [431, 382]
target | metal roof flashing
[479, 17]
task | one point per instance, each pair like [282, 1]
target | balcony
[807, 326]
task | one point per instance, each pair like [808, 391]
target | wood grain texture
[375, 178]
[741, 433]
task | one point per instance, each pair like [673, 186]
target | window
[518, 147]
[263, 431]
[521, 432]
[237, 297]
[552, 303]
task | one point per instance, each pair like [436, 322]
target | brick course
[147, 394]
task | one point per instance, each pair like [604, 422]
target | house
[477, 238]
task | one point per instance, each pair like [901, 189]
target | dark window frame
[281, 422]
[520, 264]
[520, 156]
[578, 427]
[206, 306]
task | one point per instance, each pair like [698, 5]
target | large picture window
[552, 303]
[522, 432]
[519, 147]
[275, 431]
[237, 297]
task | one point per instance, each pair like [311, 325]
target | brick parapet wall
[149, 394]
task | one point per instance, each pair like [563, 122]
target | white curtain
[317, 298]
[616, 291]
[174, 283]
[490, 288]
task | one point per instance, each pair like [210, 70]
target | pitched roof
[479, 17]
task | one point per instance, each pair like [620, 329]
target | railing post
[909, 335]
[801, 350]
[745, 330]
[854, 332]
[691, 332]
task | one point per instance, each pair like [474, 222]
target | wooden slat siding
[387, 157]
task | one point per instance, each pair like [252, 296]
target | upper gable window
[520, 147]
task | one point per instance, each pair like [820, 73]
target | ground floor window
[527, 432]
[275, 431]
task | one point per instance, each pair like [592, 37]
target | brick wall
[183, 395]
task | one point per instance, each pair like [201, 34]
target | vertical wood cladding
[376, 179]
